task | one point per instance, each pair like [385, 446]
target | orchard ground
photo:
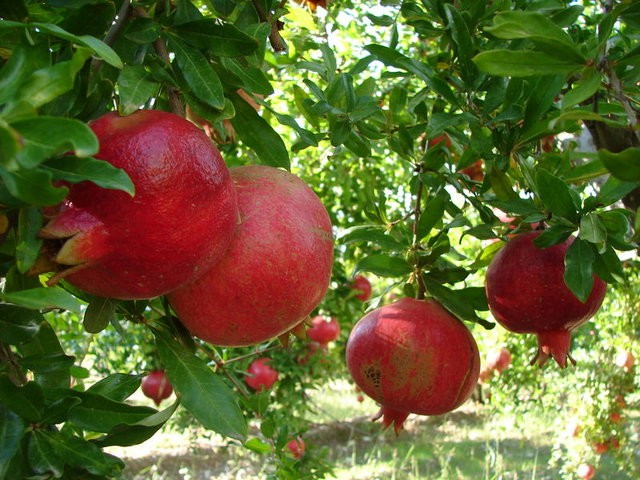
[477, 441]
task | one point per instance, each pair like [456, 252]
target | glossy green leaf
[26, 401]
[256, 445]
[461, 303]
[43, 458]
[592, 229]
[98, 314]
[220, 39]
[10, 144]
[624, 165]
[198, 73]
[24, 60]
[373, 234]
[556, 196]
[142, 30]
[554, 235]
[12, 429]
[101, 414]
[117, 386]
[48, 362]
[383, 265]
[46, 342]
[43, 298]
[254, 79]
[45, 137]
[135, 88]
[358, 144]
[33, 187]
[73, 169]
[18, 325]
[202, 392]
[432, 213]
[614, 190]
[578, 274]
[524, 63]
[28, 244]
[585, 88]
[255, 132]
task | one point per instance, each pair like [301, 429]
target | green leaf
[135, 88]
[202, 392]
[33, 187]
[101, 414]
[552, 236]
[43, 298]
[556, 196]
[12, 429]
[219, 39]
[98, 314]
[45, 137]
[358, 144]
[461, 303]
[142, 30]
[592, 229]
[126, 435]
[28, 245]
[198, 73]
[46, 342]
[384, 266]
[432, 213]
[578, 274]
[624, 165]
[10, 144]
[24, 60]
[374, 234]
[117, 386]
[523, 63]
[253, 79]
[102, 173]
[257, 134]
[42, 456]
[256, 445]
[585, 88]
[18, 325]
[26, 401]
[47, 363]
[614, 190]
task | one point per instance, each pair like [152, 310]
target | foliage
[380, 108]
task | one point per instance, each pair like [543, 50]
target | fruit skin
[413, 356]
[156, 386]
[363, 285]
[179, 223]
[261, 375]
[297, 447]
[323, 330]
[526, 293]
[276, 270]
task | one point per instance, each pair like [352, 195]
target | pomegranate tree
[179, 222]
[276, 270]
[261, 376]
[156, 386]
[413, 356]
[527, 293]
[323, 330]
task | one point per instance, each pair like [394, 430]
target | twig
[417, 212]
[112, 34]
[276, 40]
[15, 373]
[175, 103]
[618, 91]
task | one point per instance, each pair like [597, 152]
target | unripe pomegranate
[363, 286]
[526, 293]
[413, 356]
[156, 386]
[276, 270]
[179, 223]
[323, 330]
[297, 447]
[260, 374]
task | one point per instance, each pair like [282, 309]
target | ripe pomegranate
[297, 447]
[527, 294]
[498, 360]
[474, 171]
[156, 386]
[615, 418]
[323, 330]
[600, 448]
[363, 285]
[586, 471]
[276, 270]
[260, 374]
[413, 356]
[179, 223]
[625, 359]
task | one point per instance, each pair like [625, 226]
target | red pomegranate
[527, 294]
[413, 356]
[625, 360]
[276, 270]
[498, 360]
[323, 330]
[585, 471]
[261, 375]
[362, 285]
[475, 171]
[156, 386]
[297, 447]
[179, 223]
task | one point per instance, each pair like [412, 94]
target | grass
[470, 443]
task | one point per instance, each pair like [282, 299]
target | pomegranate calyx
[390, 416]
[554, 344]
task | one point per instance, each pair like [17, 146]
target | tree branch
[276, 40]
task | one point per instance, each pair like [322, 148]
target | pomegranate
[260, 374]
[474, 171]
[179, 223]
[527, 294]
[276, 270]
[586, 471]
[600, 448]
[156, 386]
[413, 356]
[363, 286]
[323, 330]
[625, 359]
[439, 139]
[297, 447]
[499, 360]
